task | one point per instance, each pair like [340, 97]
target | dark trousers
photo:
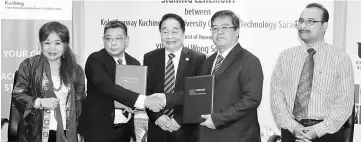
[186, 133]
[52, 136]
[121, 133]
[287, 136]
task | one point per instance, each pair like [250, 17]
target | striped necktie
[304, 87]
[169, 81]
[218, 64]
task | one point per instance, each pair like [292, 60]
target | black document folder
[198, 98]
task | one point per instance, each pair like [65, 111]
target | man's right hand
[154, 103]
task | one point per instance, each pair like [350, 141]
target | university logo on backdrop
[359, 49]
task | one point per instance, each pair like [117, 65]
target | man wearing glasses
[100, 121]
[312, 84]
[238, 85]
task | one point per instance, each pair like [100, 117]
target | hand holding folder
[208, 121]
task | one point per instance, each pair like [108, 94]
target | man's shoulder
[249, 56]
[293, 48]
[334, 49]
[97, 54]
[290, 51]
[133, 60]
[336, 53]
[154, 52]
[194, 52]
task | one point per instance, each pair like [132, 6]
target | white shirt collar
[176, 53]
[225, 53]
[124, 62]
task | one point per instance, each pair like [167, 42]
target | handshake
[155, 102]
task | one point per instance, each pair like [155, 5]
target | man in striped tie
[167, 68]
[312, 84]
[237, 87]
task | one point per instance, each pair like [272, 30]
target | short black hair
[227, 13]
[116, 24]
[325, 15]
[174, 16]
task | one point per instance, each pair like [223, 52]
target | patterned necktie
[218, 64]
[169, 81]
[120, 61]
[304, 87]
[125, 113]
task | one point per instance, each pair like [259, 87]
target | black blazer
[98, 110]
[189, 63]
[238, 93]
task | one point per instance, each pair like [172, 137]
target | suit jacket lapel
[160, 68]
[128, 59]
[208, 64]
[109, 62]
[183, 64]
[228, 60]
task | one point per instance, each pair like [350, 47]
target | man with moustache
[100, 121]
[167, 69]
[238, 85]
[312, 84]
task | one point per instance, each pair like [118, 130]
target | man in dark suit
[100, 120]
[167, 68]
[238, 85]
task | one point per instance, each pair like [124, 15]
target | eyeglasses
[118, 39]
[224, 29]
[307, 22]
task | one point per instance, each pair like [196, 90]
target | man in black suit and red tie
[100, 121]
[167, 69]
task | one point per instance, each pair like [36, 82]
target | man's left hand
[310, 132]
[209, 122]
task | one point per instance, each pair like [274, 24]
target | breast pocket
[324, 81]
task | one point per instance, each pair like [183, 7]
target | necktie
[125, 113]
[169, 81]
[218, 64]
[304, 87]
[120, 61]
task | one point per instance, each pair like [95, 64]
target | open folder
[198, 98]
